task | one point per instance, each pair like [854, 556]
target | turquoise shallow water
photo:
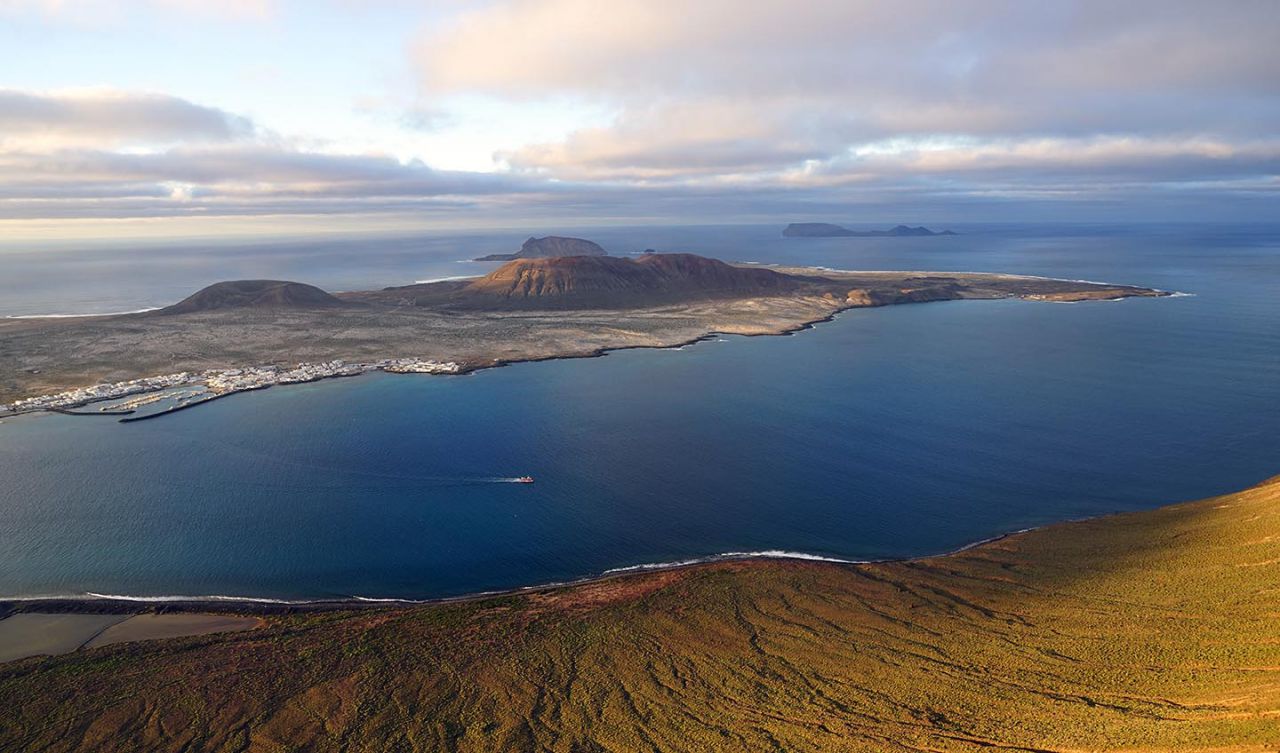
[888, 432]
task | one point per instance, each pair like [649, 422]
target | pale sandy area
[145, 627]
[31, 634]
[34, 633]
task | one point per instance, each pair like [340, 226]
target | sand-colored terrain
[33, 634]
[1151, 631]
[37, 633]
[147, 627]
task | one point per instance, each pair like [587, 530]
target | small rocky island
[828, 230]
[249, 334]
[548, 247]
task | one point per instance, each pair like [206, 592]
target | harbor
[125, 398]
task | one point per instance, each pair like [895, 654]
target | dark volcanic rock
[555, 245]
[815, 230]
[827, 230]
[548, 247]
[901, 230]
[605, 281]
[235, 294]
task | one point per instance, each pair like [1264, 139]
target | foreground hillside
[1148, 631]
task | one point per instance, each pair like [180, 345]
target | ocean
[887, 432]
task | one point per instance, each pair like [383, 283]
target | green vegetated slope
[1149, 631]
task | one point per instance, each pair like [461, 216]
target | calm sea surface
[888, 432]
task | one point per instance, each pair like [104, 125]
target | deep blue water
[888, 432]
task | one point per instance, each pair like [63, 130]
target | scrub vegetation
[1149, 631]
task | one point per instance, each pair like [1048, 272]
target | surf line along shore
[94, 603]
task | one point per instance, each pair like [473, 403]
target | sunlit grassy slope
[1151, 631]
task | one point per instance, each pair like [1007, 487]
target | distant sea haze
[888, 432]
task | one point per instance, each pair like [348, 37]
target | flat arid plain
[526, 310]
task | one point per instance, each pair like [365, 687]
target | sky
[256, 116]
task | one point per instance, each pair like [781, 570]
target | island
[1148, 631]
[251, 334]
[550, 246]
[828, 230]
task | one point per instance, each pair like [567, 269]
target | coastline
[1150, 630]
[97, 603]
[464, 366]
[127, 603]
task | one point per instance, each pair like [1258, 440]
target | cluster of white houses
[418, 366]
[222, 381]
[73, 398]
[257, 377]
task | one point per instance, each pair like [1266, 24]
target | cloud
[1077, 162]
[241, 178]
[99, 152]
[925, 51]
[243, 171]
[110, 118]
[723, 89]
[717, 109]
[97, 11]
[678, 141]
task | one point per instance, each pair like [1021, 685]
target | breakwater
[184, 406]
[69, 412]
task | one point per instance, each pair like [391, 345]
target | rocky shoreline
[121, 604]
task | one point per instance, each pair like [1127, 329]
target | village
[219, 382]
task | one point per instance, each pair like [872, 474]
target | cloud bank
[814, 92]
[720, 109]
[108, 118]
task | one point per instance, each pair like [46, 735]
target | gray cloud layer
[735, 108]
[748, 89]
[105, 117]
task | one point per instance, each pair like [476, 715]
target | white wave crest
[776, 554]
[443, 279]
[79, 316]
[207, 597]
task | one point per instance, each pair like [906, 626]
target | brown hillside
[585, 281]
[1153, 631]
[234, 294]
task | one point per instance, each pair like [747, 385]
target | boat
[524, 479]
